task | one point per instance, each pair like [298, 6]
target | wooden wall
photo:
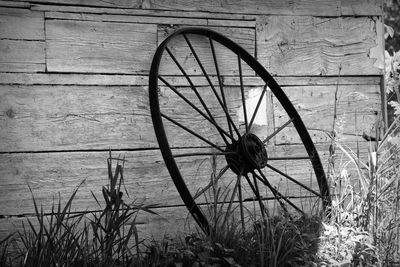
[73, 84]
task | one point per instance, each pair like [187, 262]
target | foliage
[392, 18]
[103, 238]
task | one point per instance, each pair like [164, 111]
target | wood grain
[48, 118]
[21, 24]
[99, 47]
[14, 4]
[169, 223]
[286, 44]
[141, 12]
[21, 40]
[117, 80]
[151, 19]
[298, 7]
[51, 175]
[363, 7]
[38, 118]
[22, 56]
[227, 60]
[358, 110]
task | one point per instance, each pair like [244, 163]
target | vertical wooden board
[99, 47]
[357, 112]
[316, 46]
[21, 24]
[227, 60]
[22, 56]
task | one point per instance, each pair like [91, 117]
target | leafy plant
[104, 238]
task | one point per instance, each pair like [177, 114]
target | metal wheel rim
[276, 90]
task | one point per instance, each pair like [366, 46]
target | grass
[363, 229]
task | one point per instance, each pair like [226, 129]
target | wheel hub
[250, 154]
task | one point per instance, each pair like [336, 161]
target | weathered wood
[286, 44]
[361, 8]
[22, 56]
[72, 79]
[141, 12]
[99, 47]
[151, 19]
[63, 118]
[227, 60]
[37, 118]
[117, 80]
[301, 7]
[94, 3]
[14, 4]
[21, 24]
[123, 18]
[145, 176]
[171, 222]
[21, 45]
[80, 117]
[358, 110]
[298, 7]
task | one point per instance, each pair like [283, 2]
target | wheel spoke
[241, 202]
[220, 130]
[257, 193]
[222, 172]
[278, 130]
[278, 196]
[191, 132]
[202, 154]
[191, 85]
[294, 180]
[242, 92]
[232, 198]
[210, 83]
[257, 107]
[221, 86]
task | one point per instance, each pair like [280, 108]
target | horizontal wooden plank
[22, 56]
[172, 222]
[361, 8]
[99, 47]
[117, 80]
[298, 7]
[94, 3]
[358, 108]
[141, 12]
[151, 19]
[48, 118]
[15, 4]
[145, 176]
[37, 118]
[227, 60]
[286, 44]
[124, 18]
[64, 118]
[21, 24]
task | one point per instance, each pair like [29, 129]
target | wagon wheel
[211, 105]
